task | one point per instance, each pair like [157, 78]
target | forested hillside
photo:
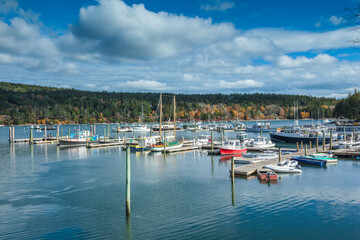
[20, 104]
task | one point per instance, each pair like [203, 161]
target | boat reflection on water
[76, 152]
[228, 157]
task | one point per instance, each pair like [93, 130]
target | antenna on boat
[160, 114]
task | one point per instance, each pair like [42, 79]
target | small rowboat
[267, 176]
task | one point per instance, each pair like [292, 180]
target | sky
[189, 46]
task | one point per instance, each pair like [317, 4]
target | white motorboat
[285, 167]
[141, 128]
[261, 127]
[261, 142]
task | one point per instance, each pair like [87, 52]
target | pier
[251, 168]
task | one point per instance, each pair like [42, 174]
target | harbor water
[79, 193]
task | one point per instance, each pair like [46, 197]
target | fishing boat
[296, 134]
[350, 144]
[81, 138]
[261, 142]
[123, 128]
[166, 143]
[203, 140]
[267, 176]
[144, 143]
[233, 147]
[141, 128]
[288, 166]
[261, 127]
[160, 146]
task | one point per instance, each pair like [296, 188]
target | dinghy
[285, 167]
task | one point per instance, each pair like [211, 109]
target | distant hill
[20, 104]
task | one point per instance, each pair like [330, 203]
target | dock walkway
[251, 168]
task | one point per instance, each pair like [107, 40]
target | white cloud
[218, 5]
[247, 83]
[116, 30]
[90, 85]
[148, 85]
[336, 20]
[7, 6]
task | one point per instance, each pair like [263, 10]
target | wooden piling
[330, 146]
[13, 134]
[310, 145]
[305, 149]
[195, 131]
[279, 154]
[323, 138]
[104, 135]
[57, 132]
[31, 137]
[317, 142]
[164, 142]
[108, 131]
[212, 141]
[297, 146]
[301, 146]
[10, 134]
[94, 129]
[232, 168]
[128, 172]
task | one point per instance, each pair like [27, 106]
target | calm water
[48, 193]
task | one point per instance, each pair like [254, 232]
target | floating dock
[182, 149]
[250, 169]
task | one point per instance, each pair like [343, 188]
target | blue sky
[208, 46]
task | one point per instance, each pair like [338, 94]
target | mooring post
[212, 141]
[232, 167]
[133, 132]
[128, 181]
[330, 147]
[94, 129]
[305, 149]
[115, 135]
[104, 135]
[301, 146]
[310, 145]
[297, 146]
[57, 132]
[165, 142]
[31, 137]
[10, 134]
[108, 129]
[13, 134]
[317, 142]
[195, 131]
[279, 154]
[324, 140]
[221, 136]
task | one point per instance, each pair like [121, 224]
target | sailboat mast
[174, 117]
[160, 114]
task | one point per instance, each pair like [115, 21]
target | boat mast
[174, 117]
[160, 114]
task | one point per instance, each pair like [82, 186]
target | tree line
[31, 104]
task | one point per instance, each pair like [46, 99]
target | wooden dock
[344, 153]
[250, 169]
[102, 145]
[182, 149]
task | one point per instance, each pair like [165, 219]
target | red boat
[233, 147]
[267, 176]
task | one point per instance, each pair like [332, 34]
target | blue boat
[309, 160]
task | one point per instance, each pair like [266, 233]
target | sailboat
[141, 127]
[167, 142]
